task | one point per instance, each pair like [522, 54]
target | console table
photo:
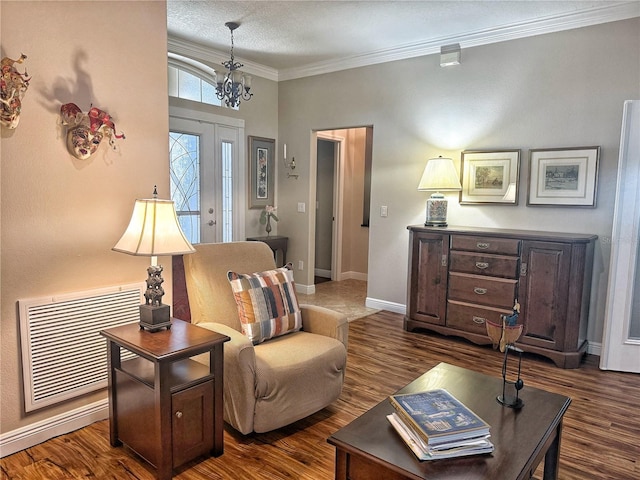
[461, 277]
[275, 243]
[162, 404]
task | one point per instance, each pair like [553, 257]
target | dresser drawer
[504, 246]
[491, 265]
[495, 292]
[472, 318]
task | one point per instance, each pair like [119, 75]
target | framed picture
[565, 177]
[490, 177]
[261, 171]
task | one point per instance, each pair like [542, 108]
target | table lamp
[439, 176]
[154, 230]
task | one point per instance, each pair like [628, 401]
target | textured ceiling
[290, 35]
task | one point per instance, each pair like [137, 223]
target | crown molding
[212, 57]
[610, 12]
[551, 24]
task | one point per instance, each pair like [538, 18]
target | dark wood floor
[601, 437]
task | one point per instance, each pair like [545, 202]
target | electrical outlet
[300, 265]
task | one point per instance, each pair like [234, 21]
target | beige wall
[556, 90]
[61, 216]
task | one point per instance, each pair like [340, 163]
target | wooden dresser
[460, 277]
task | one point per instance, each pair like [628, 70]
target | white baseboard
[354, 276]
[320, 272]
[305, 289]
[594, 348]
[384, 305]
[26, 437]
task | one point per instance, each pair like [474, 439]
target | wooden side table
[275, 243]
[165, 406]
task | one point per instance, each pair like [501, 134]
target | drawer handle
[179, 414]
[480, 291]
[482, 245]
[479, 320]
[482, 265]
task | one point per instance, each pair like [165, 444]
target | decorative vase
[268, 227]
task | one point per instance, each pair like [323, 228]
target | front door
[207, 179]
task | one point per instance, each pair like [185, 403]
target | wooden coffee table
[369, 447]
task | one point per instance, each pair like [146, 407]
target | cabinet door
[192, 422]
[544, 287]
[428, 277]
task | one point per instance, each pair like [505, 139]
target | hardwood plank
[600, 437]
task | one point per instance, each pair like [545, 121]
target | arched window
[192, 80]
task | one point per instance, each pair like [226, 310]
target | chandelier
[232, 85]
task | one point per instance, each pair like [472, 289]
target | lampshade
[153, 230]
[440, 175]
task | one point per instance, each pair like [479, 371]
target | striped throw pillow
[267, 303]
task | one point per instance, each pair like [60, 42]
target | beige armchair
[281, 380]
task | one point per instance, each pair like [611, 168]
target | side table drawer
[490, 265]
[504, 246]
[495, 292]
[472, 318]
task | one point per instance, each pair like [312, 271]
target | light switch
[301, 207]
[384, 211]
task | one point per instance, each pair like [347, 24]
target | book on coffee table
[461, 448]
[438, 418]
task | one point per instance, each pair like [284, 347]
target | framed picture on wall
[261, 171]
[490, 177]
[563, 177]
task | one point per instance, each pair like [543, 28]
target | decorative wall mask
[13, 86]
[85, 131]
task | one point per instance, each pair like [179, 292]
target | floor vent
[63, 354]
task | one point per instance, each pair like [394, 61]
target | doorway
[341, 241]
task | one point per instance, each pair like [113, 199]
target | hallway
[345, 296]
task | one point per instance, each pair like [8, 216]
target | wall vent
[63, 354]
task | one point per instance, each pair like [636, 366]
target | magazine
[438, 417]
[461, 448]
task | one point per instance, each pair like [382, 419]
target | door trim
[338, 185]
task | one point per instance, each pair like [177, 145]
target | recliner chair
[278, 381]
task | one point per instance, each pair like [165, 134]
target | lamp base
[436, 211]
[155, 317]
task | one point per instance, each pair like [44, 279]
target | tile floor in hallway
[345, 296]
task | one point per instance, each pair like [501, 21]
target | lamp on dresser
[153, 231]
[439, 176]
